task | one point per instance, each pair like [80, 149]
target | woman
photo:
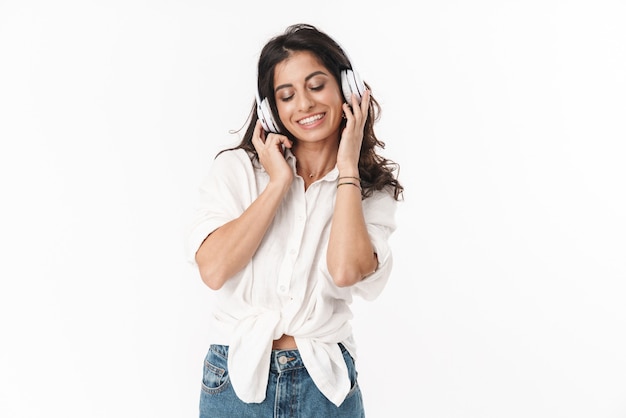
[292, 223]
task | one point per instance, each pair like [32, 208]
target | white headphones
[350, 83]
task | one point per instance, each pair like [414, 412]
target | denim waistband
[280, 360]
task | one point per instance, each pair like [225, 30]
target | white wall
[507, 298]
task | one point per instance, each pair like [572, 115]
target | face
[308, 98]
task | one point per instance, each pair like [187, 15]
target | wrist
[348, 171]
[280, 185]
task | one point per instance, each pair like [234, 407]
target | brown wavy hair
[376, 172]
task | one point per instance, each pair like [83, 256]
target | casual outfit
[285, 289]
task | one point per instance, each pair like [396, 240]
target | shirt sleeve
[224, 195]
[379, 211]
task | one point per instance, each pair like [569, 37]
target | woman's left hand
[352, 135]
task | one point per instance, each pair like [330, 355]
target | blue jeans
[298, 397]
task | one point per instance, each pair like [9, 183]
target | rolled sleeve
[379, 211]
[224, 195]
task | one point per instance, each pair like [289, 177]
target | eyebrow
[307, 78]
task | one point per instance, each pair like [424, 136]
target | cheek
[333, 95]
[337, 102]
[284, 110]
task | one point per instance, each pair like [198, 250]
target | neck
[314, 174]
[314, 164]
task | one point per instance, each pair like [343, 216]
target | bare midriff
[286, 342]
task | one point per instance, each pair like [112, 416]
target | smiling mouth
[311, 119]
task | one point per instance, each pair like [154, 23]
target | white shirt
[286, 287]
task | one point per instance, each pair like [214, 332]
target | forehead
[296, 67]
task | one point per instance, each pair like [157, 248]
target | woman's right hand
[271, 155]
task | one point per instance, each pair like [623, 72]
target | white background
[508, 120]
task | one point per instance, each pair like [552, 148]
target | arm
[350, 255]
[230, 247]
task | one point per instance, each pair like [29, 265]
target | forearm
[229, 248]
[350, 255]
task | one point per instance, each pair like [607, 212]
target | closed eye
[319, 87]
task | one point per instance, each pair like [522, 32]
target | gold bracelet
[350, 177]
[349, 182]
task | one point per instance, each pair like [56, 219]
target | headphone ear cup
[351, 83]
[264, 114]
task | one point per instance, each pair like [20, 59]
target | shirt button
[282, 288]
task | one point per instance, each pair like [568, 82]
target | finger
[365, 101]
[258, 136]
[282, 142]
[347, 111]
[260, 131]
[355, 101]
[357, 111]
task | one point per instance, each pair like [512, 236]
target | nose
[305, 101]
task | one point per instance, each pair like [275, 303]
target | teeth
[311, 119]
